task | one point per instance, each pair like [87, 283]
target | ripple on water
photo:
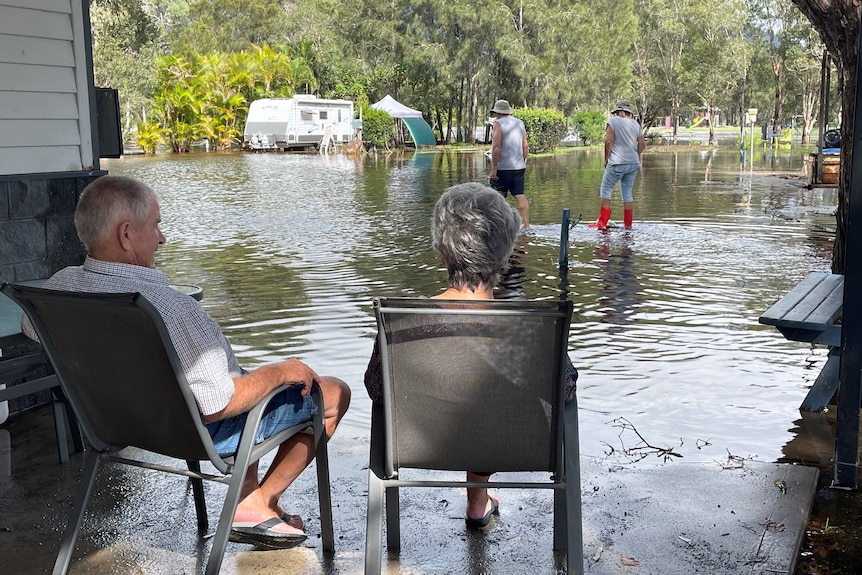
[290, 250]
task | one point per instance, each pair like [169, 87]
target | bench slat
[814, 304]
[814, 309]
[793, 297]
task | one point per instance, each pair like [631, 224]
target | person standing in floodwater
[509, 157]
[624, 144]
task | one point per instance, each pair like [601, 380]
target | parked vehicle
[298, 122]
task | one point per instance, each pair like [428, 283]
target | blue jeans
[623, 173]
[286, 409]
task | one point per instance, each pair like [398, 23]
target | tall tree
[712, 63]
[229, 26]
[125, 41]
[664, 27]
[804, 59]
[837, 22]
[776, 21]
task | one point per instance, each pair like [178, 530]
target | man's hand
[296, 372]
[494, 175]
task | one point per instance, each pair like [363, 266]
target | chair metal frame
[74, 307]
[29, 368]
[383, 480]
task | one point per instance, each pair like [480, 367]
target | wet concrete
[728, 517]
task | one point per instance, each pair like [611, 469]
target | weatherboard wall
[46, 125]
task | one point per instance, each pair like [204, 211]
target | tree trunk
[837, 22]
[776, 110]
[674, 110]
[448, 138]
[473, 116]
[810, 101]
[710, 113]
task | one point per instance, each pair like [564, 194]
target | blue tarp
[420, 131]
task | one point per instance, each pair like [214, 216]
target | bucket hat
[502, 107]
[624, 106]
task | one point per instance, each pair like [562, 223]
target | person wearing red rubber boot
[624, 144]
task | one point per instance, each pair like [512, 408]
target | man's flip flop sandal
[262, 534]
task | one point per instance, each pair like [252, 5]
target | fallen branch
[643, 448]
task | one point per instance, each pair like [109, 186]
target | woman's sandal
[483, 522]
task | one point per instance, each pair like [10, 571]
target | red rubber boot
[604, 216]
[628, 217]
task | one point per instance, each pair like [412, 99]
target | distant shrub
[545, 128]
[591, 127]
[378, 127]
[653, 137]
[745, 141]
[149, 136]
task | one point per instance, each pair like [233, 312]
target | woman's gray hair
[108, 201]
[474, 231]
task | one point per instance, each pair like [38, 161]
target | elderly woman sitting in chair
[474, 230]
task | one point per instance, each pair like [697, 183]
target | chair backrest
[473, 385]
[119, 369]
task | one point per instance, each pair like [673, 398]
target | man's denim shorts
[286, 409]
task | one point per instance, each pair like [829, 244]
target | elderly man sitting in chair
[117, 219]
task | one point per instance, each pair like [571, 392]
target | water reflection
[511, 285]
[290, 250]
[619, 284]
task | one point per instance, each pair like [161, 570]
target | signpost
[752, 118]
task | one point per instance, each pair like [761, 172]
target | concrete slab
[678, 518]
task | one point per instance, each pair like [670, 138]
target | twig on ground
[733, 461]
[643, 448]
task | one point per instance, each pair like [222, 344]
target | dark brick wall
[37, 238]
[37, 228]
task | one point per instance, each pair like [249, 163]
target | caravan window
[306, 116]
[323, 114]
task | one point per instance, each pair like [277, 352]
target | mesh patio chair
[121, 373]
[476, 386]
[32, 374]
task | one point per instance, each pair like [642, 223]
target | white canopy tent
[395, 108]
[419, 129]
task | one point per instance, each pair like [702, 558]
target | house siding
[45, 114]
[47, 154]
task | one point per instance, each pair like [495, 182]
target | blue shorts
[622, 173]
[286, 409]
[509, 181]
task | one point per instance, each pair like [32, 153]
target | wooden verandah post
[846, 461]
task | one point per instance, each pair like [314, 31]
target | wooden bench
[811, 313]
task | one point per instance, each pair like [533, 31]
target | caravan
[298, 122]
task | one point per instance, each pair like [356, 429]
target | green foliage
[378, 127]
[207, 96]
[545, 128]
[746, 140]
[229, 26]
[124, 40]
[149, 136]
[453, 59]
[591, 127]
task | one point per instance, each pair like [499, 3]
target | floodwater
[290, 250]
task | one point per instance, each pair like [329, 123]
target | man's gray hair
[108, 201]
[474, 231]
